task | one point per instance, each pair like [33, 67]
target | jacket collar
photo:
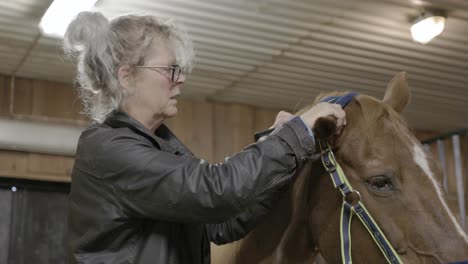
[163, 137]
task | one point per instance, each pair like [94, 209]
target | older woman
[138, 194]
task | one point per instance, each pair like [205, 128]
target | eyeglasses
[175, 70]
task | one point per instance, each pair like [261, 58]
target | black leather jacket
[138, 197]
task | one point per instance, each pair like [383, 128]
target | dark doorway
[33, 221]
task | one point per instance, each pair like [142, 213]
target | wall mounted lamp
[428, 25]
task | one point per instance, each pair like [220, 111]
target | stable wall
[212, 131]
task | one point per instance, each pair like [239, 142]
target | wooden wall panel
[193, 125]
[38, 99]
[264, 118]
[212, 131]
[56, 166]
[181, 121]
[234, 129]
[13, 162]
[41, 99]
[24, 165]
[23, 96]
[4, 96]
[54, 99]
[203, 134]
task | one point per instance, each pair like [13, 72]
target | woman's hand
[323, 110]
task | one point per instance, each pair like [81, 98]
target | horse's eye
[381, 183]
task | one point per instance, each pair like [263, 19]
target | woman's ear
[125, 76]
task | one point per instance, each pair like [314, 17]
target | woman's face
[155, 93]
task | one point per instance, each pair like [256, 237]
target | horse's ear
[398, 93]
[324, 128]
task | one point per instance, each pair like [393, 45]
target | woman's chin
[171, 112]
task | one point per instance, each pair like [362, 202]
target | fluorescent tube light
[60, 13]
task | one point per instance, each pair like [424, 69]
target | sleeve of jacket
[151, 183]
[239, 226]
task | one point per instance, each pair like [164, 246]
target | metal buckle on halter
[329, 166]
[325, 151]
[353, 198]
[323, 145]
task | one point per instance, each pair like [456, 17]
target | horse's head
[398, 183]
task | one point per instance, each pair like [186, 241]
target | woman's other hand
[282, 118]
[324, 110]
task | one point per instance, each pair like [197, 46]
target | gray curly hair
[102, 46]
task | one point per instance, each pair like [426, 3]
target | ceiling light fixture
[427, 26]
[60, 13]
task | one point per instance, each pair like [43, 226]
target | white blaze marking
[420, 158]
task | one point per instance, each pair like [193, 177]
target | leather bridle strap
[352, 205]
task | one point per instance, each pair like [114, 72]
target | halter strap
[341, 100]
[352, 204]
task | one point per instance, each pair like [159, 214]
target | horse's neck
[285, 236]
[262, 242]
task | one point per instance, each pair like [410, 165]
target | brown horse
[399, 185]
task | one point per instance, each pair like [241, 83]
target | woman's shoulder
[102, 149]
[103, 138]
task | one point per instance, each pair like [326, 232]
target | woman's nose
[181, 78]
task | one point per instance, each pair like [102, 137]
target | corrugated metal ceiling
[280, 53]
